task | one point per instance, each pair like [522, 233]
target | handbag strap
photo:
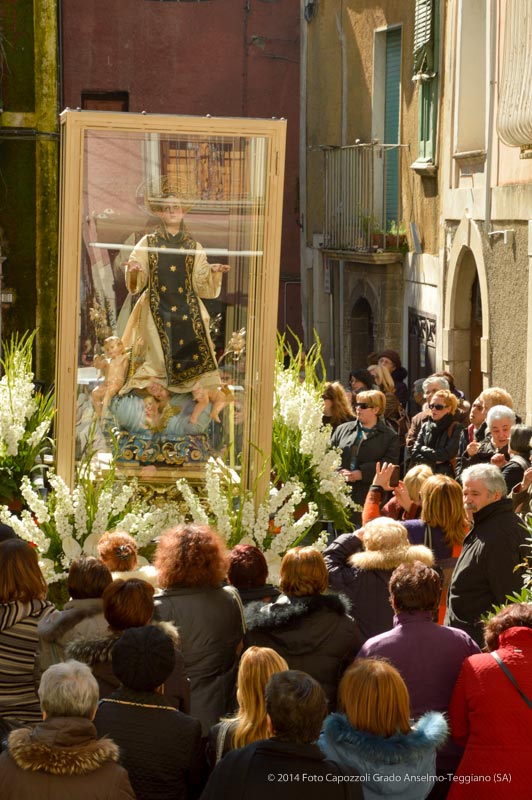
[511, 678]
[220, 741]
[427, 539]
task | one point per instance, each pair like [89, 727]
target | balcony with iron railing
[363, 213]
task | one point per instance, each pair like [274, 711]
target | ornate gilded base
[157, 449]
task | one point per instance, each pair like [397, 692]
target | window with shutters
[386, 123]
[423, 38]
[426, 58]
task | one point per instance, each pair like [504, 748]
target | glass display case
[168, 287]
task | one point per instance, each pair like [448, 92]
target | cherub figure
[113, 365]
[218, 397]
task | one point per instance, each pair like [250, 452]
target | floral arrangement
[227, 507]
[25, 417]
[301, 448]
[69, 523]
[306, 489]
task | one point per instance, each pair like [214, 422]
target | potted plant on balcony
[396, 236]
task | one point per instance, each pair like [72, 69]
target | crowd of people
[391, 664]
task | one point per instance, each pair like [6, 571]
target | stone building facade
[461, 297]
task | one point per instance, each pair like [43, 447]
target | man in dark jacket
[289, 765]
[486, 570]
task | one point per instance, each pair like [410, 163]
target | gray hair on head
[443, 383]
[489, 475]
[69, 689]
[497, 413]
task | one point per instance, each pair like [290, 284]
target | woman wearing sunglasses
[363, 443]
[439, 437]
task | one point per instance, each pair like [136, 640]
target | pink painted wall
[218, 57]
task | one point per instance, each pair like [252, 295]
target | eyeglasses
[437, 406]
[362, 405]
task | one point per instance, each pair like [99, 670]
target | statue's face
[150, 407]
[114, 348]
[171, 213]
[158, 391]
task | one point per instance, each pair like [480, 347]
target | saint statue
[167, 332]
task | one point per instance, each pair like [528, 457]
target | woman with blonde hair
[442, 527]
[382, 377]
[394, 412]
[406, 500]
[250, 722]
[360, 566]
[336, 406]
[363, 442]
[373, 733]
[312, 630]
[439, 438]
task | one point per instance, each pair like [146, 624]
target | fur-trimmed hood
[390, 559]
[429, 733]
[99, 650]
[286, 611]
[61, 746]
[398, 766]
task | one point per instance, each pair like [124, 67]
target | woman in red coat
[488, 716]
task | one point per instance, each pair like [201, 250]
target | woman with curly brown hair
[191, 561]
[488, 712]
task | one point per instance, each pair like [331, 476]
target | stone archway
[362, 332]
[362, 323]
[466, 345]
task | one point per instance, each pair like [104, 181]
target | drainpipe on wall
[341, 267]
[529, 335]
[303, 172]
[491, 36]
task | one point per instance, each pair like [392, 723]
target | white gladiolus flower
[35, 503]
[39, 433]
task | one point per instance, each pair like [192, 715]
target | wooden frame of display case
[230, 177]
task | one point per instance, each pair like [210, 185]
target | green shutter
[391, 120]
[428, 98]
[423, 35]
